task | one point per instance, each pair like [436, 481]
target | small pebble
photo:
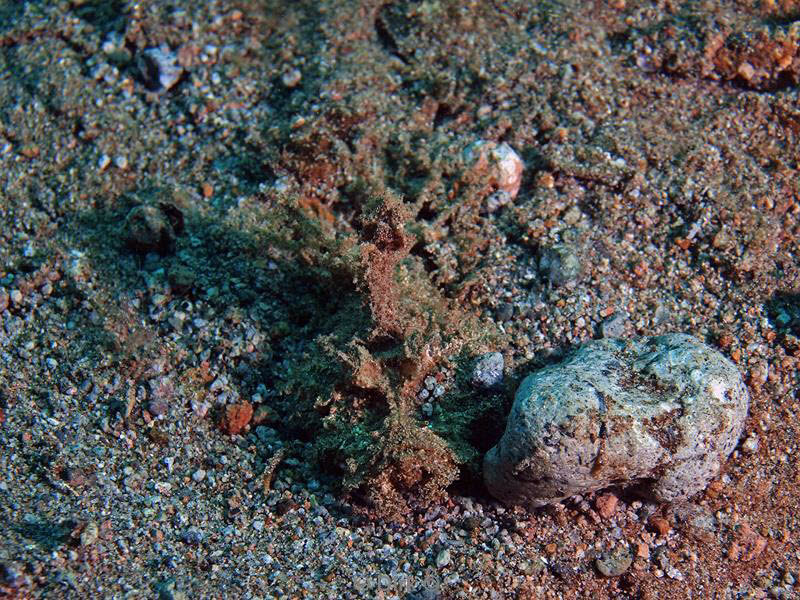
[443, 558]
[560, 264]
[157, 407]
[488, 370]
[497, 200]
[193, 536]
[613, 326]
[89, 534]
[159, 68]
[606, 505]
[16, 297]
[199, 475]
[614, 563]
[505, 311]
[147, 229]
[291, 78]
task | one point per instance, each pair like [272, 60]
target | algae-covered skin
[660, 412]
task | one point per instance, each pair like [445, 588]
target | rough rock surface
[660, 412]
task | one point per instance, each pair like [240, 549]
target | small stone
[642, 550]
[606, 505]
[181, 279]
[4, 299]
[159, 68]
[147, 229]
[103, 162]
[573, 215]
[200, 408]
[502, 165]
[89, 534]
[660, 412]
[488, 370]
[443, 558]
[157, 407]
[497, 200]
[16, 297]
[613, 326]
[746, 71]
[236, 417]
[614, 563]
[121, 162]
[505, 311]
[258, 525]
[291, 78]
[560, 264]
[198, 475]
[193, 536]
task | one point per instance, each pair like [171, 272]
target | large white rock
[662, 413]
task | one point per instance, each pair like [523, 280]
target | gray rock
[193, 536]
[488, 370]
[159, 68]
[147, 228]
[660, 412]
[613, 326]
[616, 562]
[443, 558]
[560, 264]
[150, 228]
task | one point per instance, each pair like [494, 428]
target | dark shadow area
[48, 535]
[783, 310]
